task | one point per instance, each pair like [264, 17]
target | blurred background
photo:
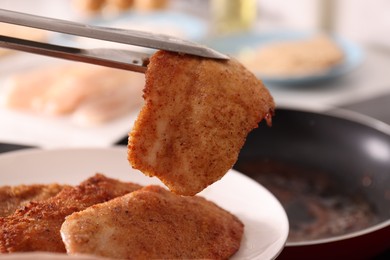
[50, 103]
[317, 55]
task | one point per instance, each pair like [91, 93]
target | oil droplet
[268, 117]
[366, 181]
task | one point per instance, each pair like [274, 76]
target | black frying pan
[331, 171]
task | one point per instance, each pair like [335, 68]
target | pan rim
[341, 113]
[351, 235]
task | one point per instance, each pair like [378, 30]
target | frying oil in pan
[316, 204]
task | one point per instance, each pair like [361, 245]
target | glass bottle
[232, 16]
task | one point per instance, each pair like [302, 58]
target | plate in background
[235, 44]
[266, 224]
[22, 127]
[50, 132]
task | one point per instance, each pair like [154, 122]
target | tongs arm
[115, 58]
[130, 37]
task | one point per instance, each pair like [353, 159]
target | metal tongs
[116, 58]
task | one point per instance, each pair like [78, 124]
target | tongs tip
[218, 55]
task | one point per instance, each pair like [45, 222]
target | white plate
[266, 224]
[53, 132]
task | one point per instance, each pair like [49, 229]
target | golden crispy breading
[15, 197]
[195, 120]
[36, 227]
[153, 223]
[287, 58]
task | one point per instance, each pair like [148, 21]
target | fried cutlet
[195, 120]
[36, 227]
[15, 197]
[153, 223]
[289, 58]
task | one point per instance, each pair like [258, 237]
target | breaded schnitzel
[15, 197]
[153, 223]
[36, 227]
[309, 56]
[195, 120]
